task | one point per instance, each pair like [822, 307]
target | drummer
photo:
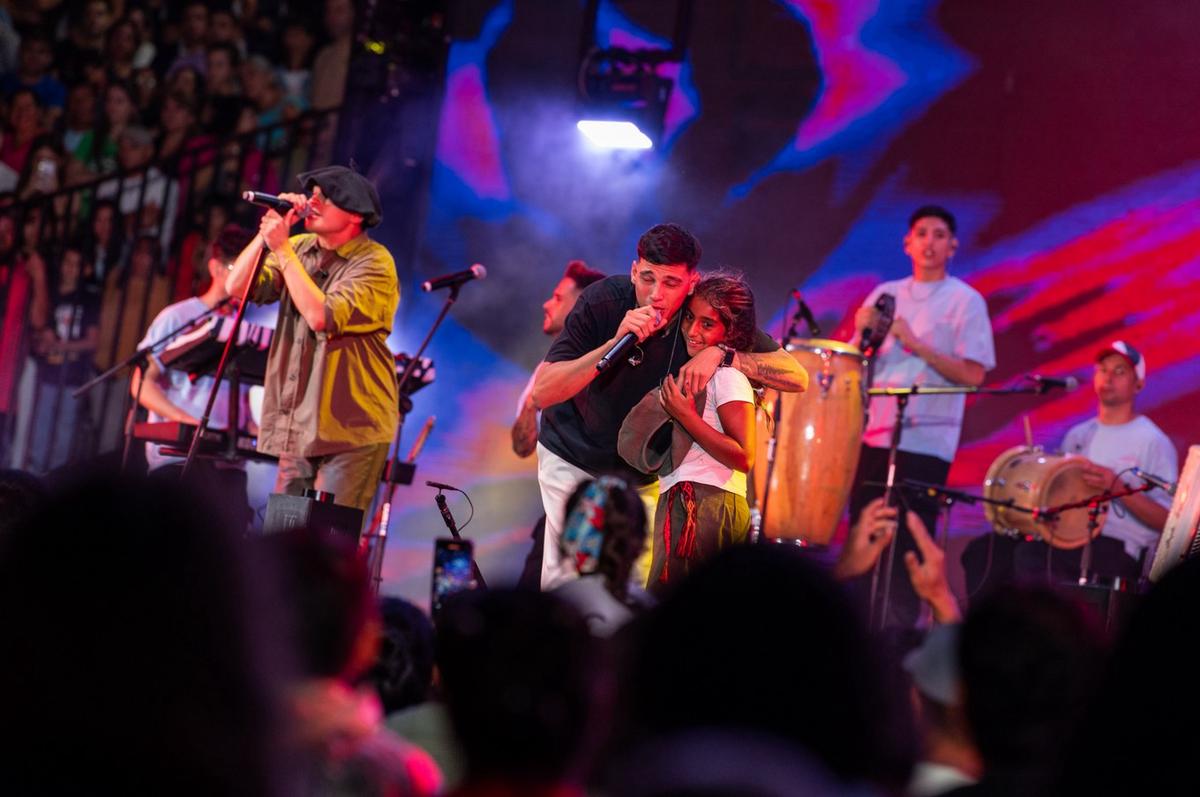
[941, 335]
[1118, 439]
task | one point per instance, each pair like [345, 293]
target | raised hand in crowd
[868, 538]
[927, 573]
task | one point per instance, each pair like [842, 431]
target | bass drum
[1031, 478]
[816, 453]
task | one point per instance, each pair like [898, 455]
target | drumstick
[420, 441]
[1028, 431]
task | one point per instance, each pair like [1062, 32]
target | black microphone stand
[902, 395]
[448, 519]
[139, 359]
[396, 472]
[1094, 505]
[220, 372]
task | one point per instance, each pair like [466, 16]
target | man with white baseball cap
[1119, 439]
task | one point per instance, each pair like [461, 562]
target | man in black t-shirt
[582, 409]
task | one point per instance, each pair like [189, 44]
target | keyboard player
[172, 395]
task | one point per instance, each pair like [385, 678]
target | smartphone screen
[452, 570]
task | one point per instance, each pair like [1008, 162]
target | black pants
[903, 606]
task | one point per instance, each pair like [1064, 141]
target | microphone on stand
[627, 341]
[803, 312]
[1157, 481]
[275, 203]
[441, 486]
[1047, 383]
[475, 272]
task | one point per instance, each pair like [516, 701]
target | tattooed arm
[774, 369]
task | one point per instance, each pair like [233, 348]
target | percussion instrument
[1031, 478]
[1181, 535]
[817, 445]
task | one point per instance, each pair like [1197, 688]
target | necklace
[921, 297]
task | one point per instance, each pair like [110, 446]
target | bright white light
[614, 135]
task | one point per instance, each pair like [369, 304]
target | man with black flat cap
[330, 408]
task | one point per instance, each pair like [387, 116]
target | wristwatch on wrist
[727, 360]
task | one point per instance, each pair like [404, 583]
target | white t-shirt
[952, 317]
[1138, 443]
[190, 396]
[727, 384]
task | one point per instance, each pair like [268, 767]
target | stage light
[623, 99]
[614, 134]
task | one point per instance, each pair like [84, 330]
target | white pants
[558, 479]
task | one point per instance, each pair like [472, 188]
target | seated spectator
[43, 174]
[223, 62]
[298, 43]
[189, 47]
[17, 290]
[34, 60]
[758, 639]
[29, 272]
[79, 119]
[87, 34]
[1030, 663]
[172, 630]
[332, 61]
[104, 243]
[121, 46]
[146, 52]
[189, 83]
[521, 677]
[333, 624]
[151, 207]
[23, 126]
[603, 535]
[223, 29]
[120, 112]
[63, 350]
[264, 89]
[191, 271]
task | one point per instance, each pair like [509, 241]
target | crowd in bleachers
[200, 661]
[127, 130]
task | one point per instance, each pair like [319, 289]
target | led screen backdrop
[799, 136]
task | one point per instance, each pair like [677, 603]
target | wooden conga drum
[816, 445]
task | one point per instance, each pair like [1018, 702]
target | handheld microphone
[1157, 481]
[475, 272]
[440, 486]
[277, 204]
[627, 341]
[1046, 383]
[872, 337]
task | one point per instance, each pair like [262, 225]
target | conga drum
[1033, 479]
[816, 444]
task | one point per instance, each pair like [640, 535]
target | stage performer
[941, 335]
[702, 500]
[330, 408]
[173, 395]
[582, 409]
[525, 428]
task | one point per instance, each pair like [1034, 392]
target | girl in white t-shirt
[702, 502]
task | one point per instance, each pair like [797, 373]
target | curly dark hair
[730, 295]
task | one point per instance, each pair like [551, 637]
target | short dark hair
[937, 212]
[669, 245]
[579, 273]
[232, 239]
[731, 297]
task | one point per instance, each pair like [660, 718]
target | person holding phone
[330, 407]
